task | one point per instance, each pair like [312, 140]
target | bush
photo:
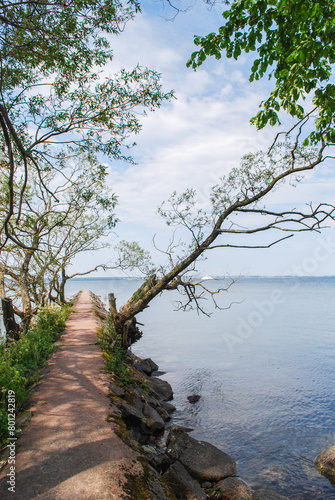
[113, 354]
[21, 360]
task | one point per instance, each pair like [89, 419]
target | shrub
[113, 354]
[21, 360]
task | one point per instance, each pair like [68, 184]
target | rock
[206, 485]
[145, 422]
[184, 428]
[146, 366]
[235, 489]
[154, 421]
[151, 400]
[184, 486]
[163, 413]
[134, 398]
[132, 416]
[161, 389]
[151, 363]
[267, 494]
[148, 485]
[202, 460]
[194, 398]
[158, 460]
[116, 390]
[168, 406]
[325, 462]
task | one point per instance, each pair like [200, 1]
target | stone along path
[68, 450]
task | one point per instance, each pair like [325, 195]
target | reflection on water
[265, 370]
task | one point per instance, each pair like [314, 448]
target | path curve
[68, 449]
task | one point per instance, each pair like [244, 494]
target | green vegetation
[20, 361]
[113, 353]
[63, 119]
[294, 45]
[215, 493]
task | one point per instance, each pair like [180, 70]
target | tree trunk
[126, 330]
[12, 328]
[61, 291]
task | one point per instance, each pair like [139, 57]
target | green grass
[21, 361]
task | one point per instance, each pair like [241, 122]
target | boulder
[267, 494]
[194, 398]
[116, 390]
[151, 400]
[161, 389]
[235, 489]
[132, 416]
[146, 366]
[149, 485]
[184, 486]
[168, 406]
[163, 413]
[325, 462]
[203, 461]
[134, 398]
[147, 421]
[154, 423]
[156, 458]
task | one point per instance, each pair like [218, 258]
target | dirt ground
[68, 450]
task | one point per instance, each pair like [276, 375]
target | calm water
[265, 370]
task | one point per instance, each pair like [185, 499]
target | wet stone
[235, 489]
[202, 460]
[184, 486]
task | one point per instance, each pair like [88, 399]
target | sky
[198, 137]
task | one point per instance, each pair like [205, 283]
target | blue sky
[198, 137]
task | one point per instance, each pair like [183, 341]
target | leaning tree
[294, 45]
[243, 193]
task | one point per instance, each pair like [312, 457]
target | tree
[241, 194]
[294, 41]
[55, 101]
[53, 233]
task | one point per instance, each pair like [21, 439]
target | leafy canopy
[59, 36]
[295, 45]
[56, 102]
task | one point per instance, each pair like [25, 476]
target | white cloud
[193, 140]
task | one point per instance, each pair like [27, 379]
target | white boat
[205, 278]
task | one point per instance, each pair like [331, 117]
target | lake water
[265, 370]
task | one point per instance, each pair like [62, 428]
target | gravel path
[68, 450]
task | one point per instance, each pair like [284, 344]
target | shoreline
[169, 463]
[144, 423]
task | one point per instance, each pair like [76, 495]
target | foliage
[57, 104]
[21, 360]
[57, 36]
[113, 353]
[55, 227]
[130, 257]
[239, 207]
[295, 44]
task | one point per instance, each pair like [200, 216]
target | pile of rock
[199, 471]
[194, 470]
[144, 405]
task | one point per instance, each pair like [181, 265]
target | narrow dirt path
[68, 449]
